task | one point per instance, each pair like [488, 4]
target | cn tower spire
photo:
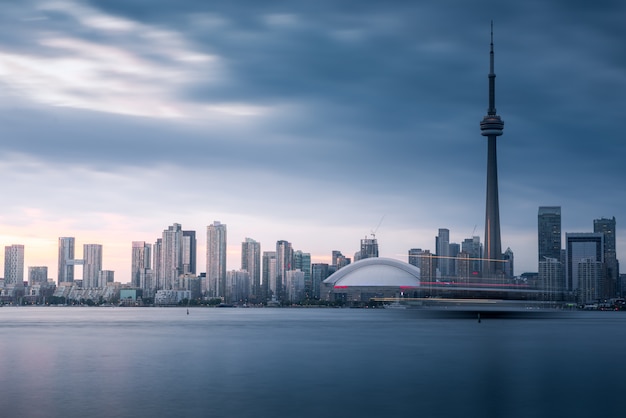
[491, 126]
[492, 80]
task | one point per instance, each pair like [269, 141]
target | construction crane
[373, 232]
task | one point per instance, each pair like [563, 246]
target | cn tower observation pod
[375, 272]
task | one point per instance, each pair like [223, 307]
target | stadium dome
[375, 271]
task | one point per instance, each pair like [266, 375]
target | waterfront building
[189, 252]
[551, 278]
[442, 245]
[216, 260]
[294, 286]
[609, 287]
[375, 277]
[66, 260]
[237, 286]
[251, 262]
[14, 265]
[549, 232]
[474, 249]
[92, 259]
[590, 276]
[141, 266]
[171, 257]
[319, 273]
[269, 274]
[284, 263]
[302, 262]
[463, 267]
[588, 246]
[157, 265]
[454, 250]
[423, 260]
[491, 126]
[37, 275]
[106, 278]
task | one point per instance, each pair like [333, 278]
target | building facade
[92, 259]
[14, 265]
[216, 260]
[581, 246]
[251, 262]
[66, 260]
[141, 266]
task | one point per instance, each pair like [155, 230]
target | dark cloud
[378, 100]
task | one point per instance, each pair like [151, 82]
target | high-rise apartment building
[590, 277]
[237, 286]
[550, 278]
[269, 274]
[442, 245]
[141, 265]
[14, 265]
[474, 249]
[294, 286]
[339, 260]
[302, 262]
[216, 260]
[581, 246]
[284, 263]
[251, 262]
[189, 252]
[92, 259]
[66, 260]
[171, 257]
[157, 265]
[319, 273]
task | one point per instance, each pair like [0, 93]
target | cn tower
[491, 126]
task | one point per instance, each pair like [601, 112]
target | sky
[320, 123]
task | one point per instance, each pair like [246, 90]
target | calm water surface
[153, 362]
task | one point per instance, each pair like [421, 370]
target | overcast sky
[306, 121]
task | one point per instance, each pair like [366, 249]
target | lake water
[161, 362]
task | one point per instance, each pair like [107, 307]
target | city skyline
[303, 124]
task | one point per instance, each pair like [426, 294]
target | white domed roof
[376, 271]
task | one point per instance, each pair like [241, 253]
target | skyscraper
[583, 247]
[474, 249]
[549, 232]
[442, 245]
[606, 227]
[171, 257]
[189, 252]
[216, 260]
[284, 263]
[269, 274]
[251, 262]
[14, 265]
[66, 260]
[157, 264]
[92, 259]
[491, 126]
[302, 262]
[319, 273]
[141, 265]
